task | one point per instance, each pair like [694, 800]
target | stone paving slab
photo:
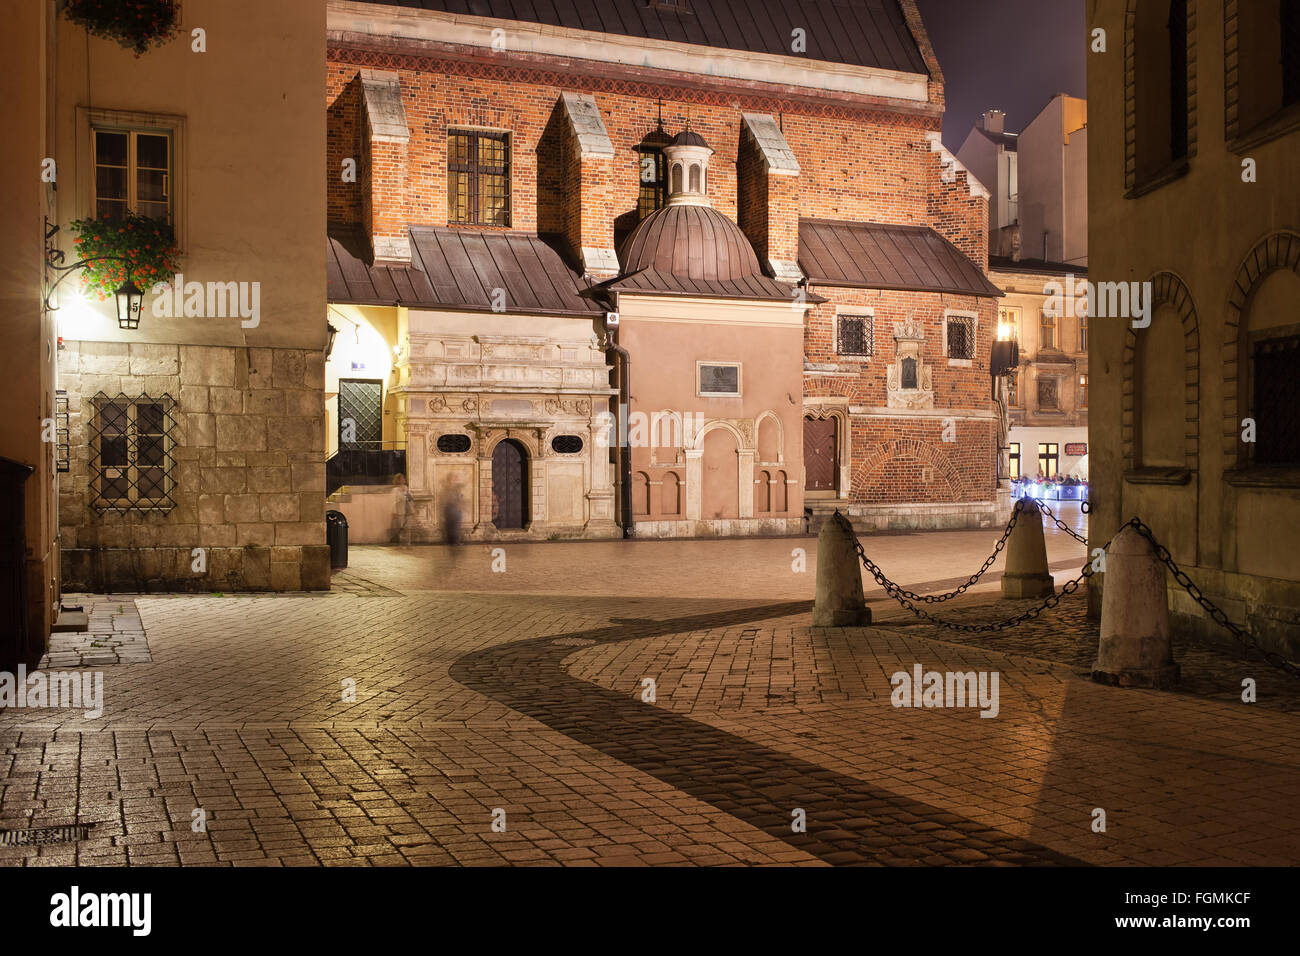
[115, 634]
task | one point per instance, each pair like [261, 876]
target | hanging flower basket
[148, 247]
[135, 24]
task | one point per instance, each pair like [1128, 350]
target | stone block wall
[247, 480]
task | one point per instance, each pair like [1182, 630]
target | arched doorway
[509, 485]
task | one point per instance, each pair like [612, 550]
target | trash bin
[336, 535]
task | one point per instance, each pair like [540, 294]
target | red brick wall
[879, 169]
[345, 130]
[963, 470]
[383, 190]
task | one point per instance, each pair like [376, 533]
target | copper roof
[697, 242]
[688, 137]
[459, 269]
[875, 255]
[693, 250]
[870, 33]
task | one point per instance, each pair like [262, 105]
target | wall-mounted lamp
[130, 300]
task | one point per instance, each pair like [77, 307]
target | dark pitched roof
[459, 269]
[859, 32]
[875, 255]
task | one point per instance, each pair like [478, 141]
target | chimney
[993, 121]
[586, 171]
[768, 195]
[384, 160]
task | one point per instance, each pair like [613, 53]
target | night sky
[1012, 55]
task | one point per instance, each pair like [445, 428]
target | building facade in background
[1039, 186]
[802, 320]
[1193, 189]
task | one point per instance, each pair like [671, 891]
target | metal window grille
[961, 337]
[1276, 395]
[62, 442]
[131, 462]
[652, 174]
[453, 444]
[478, 178]
[857, 335]
[567, 444]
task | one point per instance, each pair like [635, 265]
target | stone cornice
[428, 56]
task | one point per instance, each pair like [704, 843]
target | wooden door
[819, 458]
[509, 486]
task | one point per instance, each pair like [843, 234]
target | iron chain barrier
[1042, 506]
[907, 598]
[899, 590]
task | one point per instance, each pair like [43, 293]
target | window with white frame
[133, 172]
[133, 162]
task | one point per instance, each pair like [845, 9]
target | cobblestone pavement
[114, 635]
[474, 701]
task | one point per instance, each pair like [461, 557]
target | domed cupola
[687, 156]
[687, 239]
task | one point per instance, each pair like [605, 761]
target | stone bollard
[1135, 648]
[1026, 574]
[839, 580]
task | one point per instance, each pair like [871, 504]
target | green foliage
[135, 24]
[146, 247]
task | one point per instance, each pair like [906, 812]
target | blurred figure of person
[402, 508]
[451, 519]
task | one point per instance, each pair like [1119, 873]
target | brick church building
[668, 267]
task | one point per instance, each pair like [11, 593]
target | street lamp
[130, 300]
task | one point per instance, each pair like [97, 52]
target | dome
[695, 242]
[689, 137]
